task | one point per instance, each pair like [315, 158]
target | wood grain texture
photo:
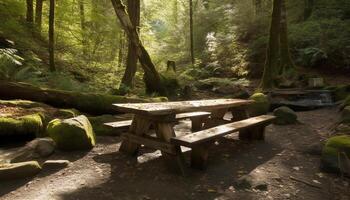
[166, 108]
[194, 139]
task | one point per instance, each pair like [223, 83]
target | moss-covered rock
[19, 170]
[341, 92]
[72, 134]
[67, 113]
[26, 125]
[260, 106]
[345, 115]
[284, 116]
[22, 103]
[331, 151]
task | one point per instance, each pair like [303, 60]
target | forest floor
[284, 161]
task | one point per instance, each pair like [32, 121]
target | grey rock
[19, 170]
[55, 164]
[251, 182]
[38, 148]
[285, 116]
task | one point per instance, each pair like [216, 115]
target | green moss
[19, 170]
[260, 106]
[284, 116]
[67, 113]
[331, 150]
[347, 101]
[26, 125]
[22, 103]
[345, 115]
[98, 125]
[72, 134]
[341, 92]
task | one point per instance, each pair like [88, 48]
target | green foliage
[260, 106]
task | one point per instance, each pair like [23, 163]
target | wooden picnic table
[162, 117]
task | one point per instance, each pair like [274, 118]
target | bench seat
[203, 136]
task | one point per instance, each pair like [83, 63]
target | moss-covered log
[85, 102]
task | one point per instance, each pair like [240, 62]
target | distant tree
[83, 26]
[131, 65]
[151, 75]
[308, 8]
[52, 35]
[29, 13]
[38, 14]
[191, 32]
[258, 7]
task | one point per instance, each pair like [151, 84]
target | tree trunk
[83, 26]
[29, 14]
[191, 32]
[287, 68]
[309, 6]
[52, 35]
[38, 14]
[85, 102]
[121, 49]
[131, 65]
[272, 57]
[151, 76]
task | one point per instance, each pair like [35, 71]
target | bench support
[199, 156]
[253, 133]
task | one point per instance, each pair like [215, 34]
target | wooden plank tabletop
[167, 108]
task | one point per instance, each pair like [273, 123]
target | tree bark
[131, 65]
[29, 14]
[52, 35]
[287, 67]
[258, 7]
[151, 76]
[308, 8]
[38, 14]
[86, 102]
[191, 32]
[272, 57]
[83, 26]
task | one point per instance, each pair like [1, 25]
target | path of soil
[282, 160]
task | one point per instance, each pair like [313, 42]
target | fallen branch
[305, 182]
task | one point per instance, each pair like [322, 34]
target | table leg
[165, 132]
[216, 118]
[139, 127]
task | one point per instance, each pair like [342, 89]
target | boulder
[38, 148]
[334, 154]
[345, 115]
[343, 128]
[332, 150]
[27, 125]
[100, 129]
[341, 92]
[260, 106]
[285, 116]
[19, 170]
[72, 134]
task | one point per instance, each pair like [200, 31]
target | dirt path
[283, 161]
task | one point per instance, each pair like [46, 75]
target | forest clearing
[178, 99]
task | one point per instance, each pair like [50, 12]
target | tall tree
[287, 68]
[52, 35]
[38, 14]
[272, 56]
[29, 14]
[131, 65]
[258, 7]
[308, 7]
[83, 25]
[151, 76]
[191, 32]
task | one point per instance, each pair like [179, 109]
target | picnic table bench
[163, 115]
